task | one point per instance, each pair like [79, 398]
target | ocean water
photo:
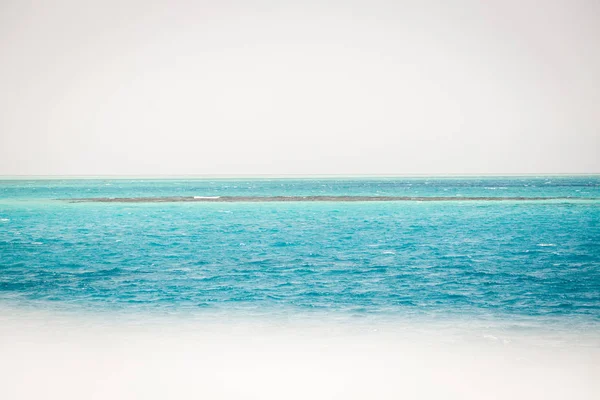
[533, 261]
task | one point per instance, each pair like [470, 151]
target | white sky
[299, 87]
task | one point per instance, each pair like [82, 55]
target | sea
[519, 251]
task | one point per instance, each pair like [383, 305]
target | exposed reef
[264, 199]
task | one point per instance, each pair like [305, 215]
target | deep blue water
[476, 259]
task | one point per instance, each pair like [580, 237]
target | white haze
[299, 87]
[76, 357]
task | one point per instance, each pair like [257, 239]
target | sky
[299, 87]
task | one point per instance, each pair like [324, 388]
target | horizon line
[287, 176]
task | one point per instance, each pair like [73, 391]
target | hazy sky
[299, 87]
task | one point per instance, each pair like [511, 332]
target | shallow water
[548, 186]
[536, 261]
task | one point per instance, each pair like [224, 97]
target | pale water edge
[54, 356]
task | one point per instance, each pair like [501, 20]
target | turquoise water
[468, 259]
[559, 186]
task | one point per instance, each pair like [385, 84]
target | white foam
[207, 197]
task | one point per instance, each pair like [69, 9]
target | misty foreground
[75, 357]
